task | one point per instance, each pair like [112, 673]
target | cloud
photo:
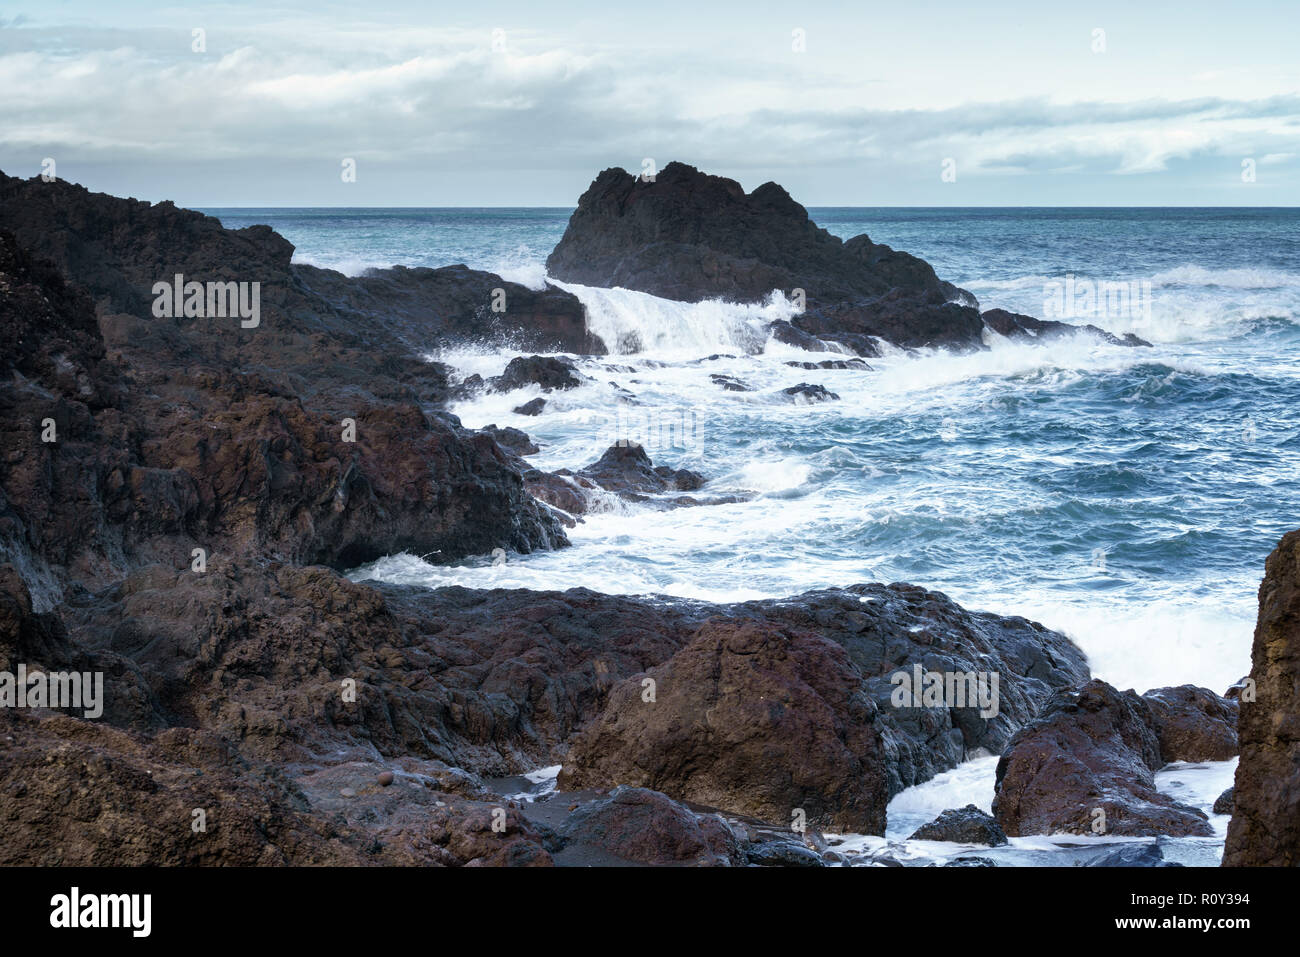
[300, 90]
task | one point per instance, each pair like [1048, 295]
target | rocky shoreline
[180, 495]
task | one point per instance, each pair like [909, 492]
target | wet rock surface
[683, 234]
[1265, 828]
[966, 825]
[1087, 765]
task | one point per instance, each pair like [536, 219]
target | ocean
[1126, 496]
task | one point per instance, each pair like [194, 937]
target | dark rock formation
[689, 236]
[1193, 724]
[809, 392]
[454, 306]
[748, 718]
[830, 364]
[625, 471]
[313, 437]
[646, 827]
[730, 383]
[967, 825]
[548, 372]
[627, 468]
[531, 407]
[1223, 804]
[1091, 752]
[1014, 325]
[512, 440]
[1265, 828]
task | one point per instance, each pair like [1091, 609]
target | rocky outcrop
[1265, 828]
[135, 439]
[966, 825]
[686, 235]
[645, 827]
[1193, 724]
[457, 306]
[753, 719]
[625, 471]
[1223, 804]
[1087, 765]
[690, 236]
[546, 372]
[1014, 325]
[728, 707]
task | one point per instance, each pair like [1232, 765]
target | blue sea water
[1125, 496]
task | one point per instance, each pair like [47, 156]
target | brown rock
[1265, 828]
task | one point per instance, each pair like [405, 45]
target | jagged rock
[1092, 750]
[512, 439]
[1013, 325]
[627, 468]
[689, 236]
[548, 372]
[1223, 804]
[1265, 827]
[531, 407]
[749, 718]
[808, 392]
[830, 364]
[730, 383]
[1193, 724]
[967, 825]
[647, 827]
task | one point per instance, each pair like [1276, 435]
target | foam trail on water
[637, 322]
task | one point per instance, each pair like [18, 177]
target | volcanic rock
[1265, 828]
[1091, 752]
[967, 825]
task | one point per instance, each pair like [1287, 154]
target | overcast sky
[444, 104]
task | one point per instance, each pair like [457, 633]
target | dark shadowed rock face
[691, 236]
[1014, 325]
[548, 372]
[453, 305]
[1193, 724]
[1265, 828]
[624, 471]
[1224, 802]
[967, 825]
[312, 320]
[748, 718]
[1095, 749]
[887, 630]
[646, 827]
[310, 438]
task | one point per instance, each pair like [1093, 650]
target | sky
[521, 104]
